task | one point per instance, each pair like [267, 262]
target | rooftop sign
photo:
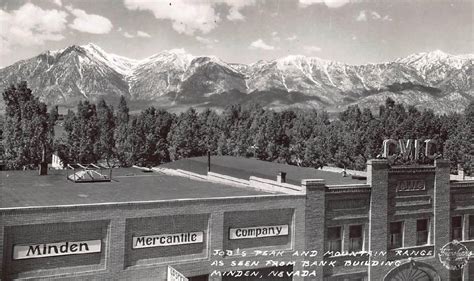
[56, 249]
[258, 232]
[409, 149]
[167, 239]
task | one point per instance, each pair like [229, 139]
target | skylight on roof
[89, 173]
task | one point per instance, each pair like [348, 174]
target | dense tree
[26, 131]
[82, 133]
[459, 148]
[184, 134]
[295, 136]
[121, 133]
[151, 145]
[105, 146]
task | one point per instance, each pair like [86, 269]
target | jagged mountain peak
[433, 56]
[88, 72]
[300, 61]
[179, 56]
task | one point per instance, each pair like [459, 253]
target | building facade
[398, 224]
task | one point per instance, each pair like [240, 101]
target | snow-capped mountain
[175, 78]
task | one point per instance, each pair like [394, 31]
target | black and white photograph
[246, 140]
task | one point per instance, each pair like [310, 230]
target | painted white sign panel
[56, 249]
[174, 275]
[167, 240]
[258, 232]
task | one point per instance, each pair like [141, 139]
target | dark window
[456, 228]
[422, 231]
[396, 235]
[471, 227]
[455, 275]
[355, 238]
[334, 239]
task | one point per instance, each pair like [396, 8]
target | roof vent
[89, 173]
[281, 177]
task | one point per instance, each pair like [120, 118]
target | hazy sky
[243, 31]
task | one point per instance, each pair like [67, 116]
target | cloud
[143, 34]
[260, 44]
[292, 38]
[362, 16]
[205, 40]
[329, 3]
[139, 33]
[275, 36]
[128, 35]
[312, 49]
[178, 51]
[365, 15]
[57, 2]
[89, 23]
[30, 25]
[190, 16]
[235, 6]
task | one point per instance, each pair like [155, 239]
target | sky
[239, 31]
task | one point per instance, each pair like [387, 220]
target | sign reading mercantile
[258, 232]
[167, 239]
[56, 249]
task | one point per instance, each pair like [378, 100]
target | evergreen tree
[209, 131]
[122, 132]
[26, 132]
[105, 146]
[460, 147]
[184, 136]
[149, 137]
[82, 134]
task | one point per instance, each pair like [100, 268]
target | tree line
[310, 138]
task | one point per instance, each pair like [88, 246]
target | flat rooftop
[243, 168]
[28, 189]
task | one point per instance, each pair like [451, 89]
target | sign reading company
[56, 249]
[174, 275]
[167, 240]
[258, 232]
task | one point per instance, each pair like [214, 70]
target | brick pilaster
[115, 243]
[217, 242]
[315, 227]
[2, 242]
[377, 178]
[442, 209]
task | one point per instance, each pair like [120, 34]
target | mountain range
[176, 80]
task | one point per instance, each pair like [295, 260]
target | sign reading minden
[56, 249]
[258, 232]
[167, 240]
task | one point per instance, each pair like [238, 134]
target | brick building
[208, 225]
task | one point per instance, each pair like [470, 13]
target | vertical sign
[174, 275]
